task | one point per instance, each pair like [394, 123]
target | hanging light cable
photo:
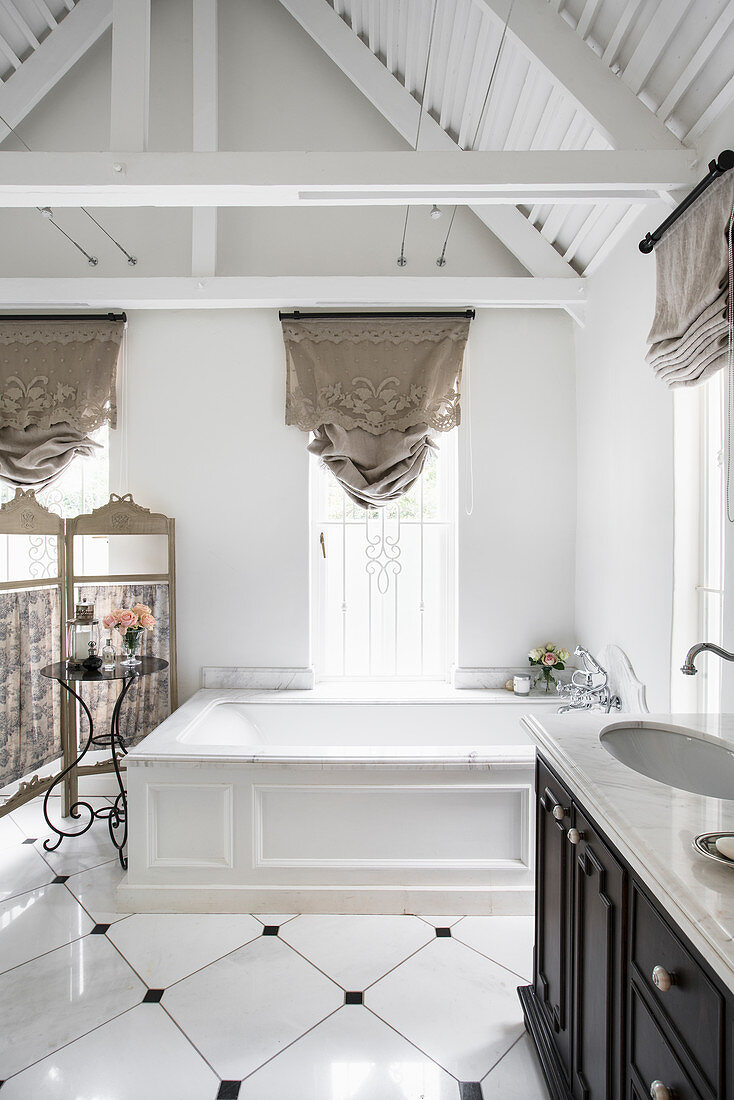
[401, 258]
[47, 213]
[441, 261]
[132, 260]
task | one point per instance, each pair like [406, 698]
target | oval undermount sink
[673, 755]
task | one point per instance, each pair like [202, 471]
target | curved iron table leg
[116, 815]
[75, 810]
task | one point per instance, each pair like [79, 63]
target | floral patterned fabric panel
[148, 701]
[30, 716]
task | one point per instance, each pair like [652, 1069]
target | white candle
[521, 684]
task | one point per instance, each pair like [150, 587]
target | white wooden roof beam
[400, 109]
[61, 49]
[205, 96]
[129, 97]
[297, 292]
[339, 179]
[610, 105]
[658, 34]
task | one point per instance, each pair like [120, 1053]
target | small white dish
[706, 845]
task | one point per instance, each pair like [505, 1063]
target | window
[698, 559]
[84, 485]
[711, 584]
[383, 581]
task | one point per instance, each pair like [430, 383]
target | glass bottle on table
[109, 656]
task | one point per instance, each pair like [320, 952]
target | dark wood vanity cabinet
[621, 1005]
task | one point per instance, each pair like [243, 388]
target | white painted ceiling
[677, 56]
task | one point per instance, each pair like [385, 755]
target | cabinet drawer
[651, 1058]
[692, 1005]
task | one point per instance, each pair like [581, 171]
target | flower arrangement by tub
[132, 624]
[550, 658]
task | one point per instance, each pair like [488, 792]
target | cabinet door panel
[553, 910]
[598, 994]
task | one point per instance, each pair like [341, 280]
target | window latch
[323, 543]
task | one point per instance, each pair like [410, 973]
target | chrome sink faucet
[589, 686]
[689, 669]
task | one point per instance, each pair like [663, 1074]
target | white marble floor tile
[506, 940]
[247, 1007]
[10, 832]
[457, 1006]
[97, 891]
[39, 921]
[79, 853]
[50, 1001]
[351, 1056]
[517, 1076]
[141, 1055]
[22, 869]
[30, 819]
[356, 950]
[165, 947]
[274, 918]
[441, 922]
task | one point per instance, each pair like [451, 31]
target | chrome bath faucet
[589, 686]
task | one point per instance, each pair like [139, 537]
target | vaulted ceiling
[453, 75]
[675, 56]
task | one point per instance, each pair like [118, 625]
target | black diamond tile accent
[442, 932]
[271, 930]
[99, 930]
[353, 999]
[60, 878]
[229, 1090]
[153, 996]
[30, 840]
[470, 1090]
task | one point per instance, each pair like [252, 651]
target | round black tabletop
[60, 671]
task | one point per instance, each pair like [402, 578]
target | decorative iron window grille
[383, 581]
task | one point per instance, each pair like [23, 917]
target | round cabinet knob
[559, 812]
[659, 1091]
[574, 836]
[662, 978]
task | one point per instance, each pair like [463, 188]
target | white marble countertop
[651, 824]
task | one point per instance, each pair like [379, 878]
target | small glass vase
[132, 640]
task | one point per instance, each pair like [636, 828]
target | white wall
[624, 548]
[207, 444]
[516, 550]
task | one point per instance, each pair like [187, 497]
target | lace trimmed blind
[57, 384]
[372, 390]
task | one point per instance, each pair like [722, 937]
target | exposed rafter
[400, 109]
[205, 96]
[62, 48]
[338, 179]
[608, 103]
[130, 74]
[297, 292]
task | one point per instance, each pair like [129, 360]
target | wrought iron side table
[116, 814]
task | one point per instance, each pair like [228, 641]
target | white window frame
[448, 456]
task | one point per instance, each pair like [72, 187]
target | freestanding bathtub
[282, 802]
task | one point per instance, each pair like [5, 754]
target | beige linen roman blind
[373, 391]
[57, 385]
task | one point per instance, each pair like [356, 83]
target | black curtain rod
[723, 163]
[297, 315]
[63, 317]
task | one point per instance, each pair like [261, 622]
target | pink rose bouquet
[131, 622]
[549, 658]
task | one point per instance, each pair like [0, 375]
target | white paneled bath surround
[253, 801]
